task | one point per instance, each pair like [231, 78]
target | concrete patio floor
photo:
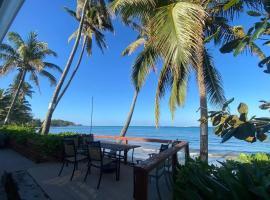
[58, 188]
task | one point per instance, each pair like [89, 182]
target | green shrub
[46, 145]
[249, 179]
[248, 158]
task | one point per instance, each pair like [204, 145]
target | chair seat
[79, 158]
[106, 161]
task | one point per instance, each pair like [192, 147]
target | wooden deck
[59, 188]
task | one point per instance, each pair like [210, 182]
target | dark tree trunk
[15, 97]
[52, 105]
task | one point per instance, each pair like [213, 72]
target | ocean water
[190, 134]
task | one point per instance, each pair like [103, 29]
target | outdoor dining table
[118, 147]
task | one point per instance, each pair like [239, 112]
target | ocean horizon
[232, 147]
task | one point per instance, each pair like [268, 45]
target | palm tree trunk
[73, 73]
[125, 127]
[15, 97]
[203, 111]
[52, 105]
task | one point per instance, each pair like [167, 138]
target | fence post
[174, 165]
[140, 184]
[186, 153]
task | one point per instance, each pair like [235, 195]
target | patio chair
[75, 138]
[83, 144]
[70, 156]
[86, 139]
[97, 160]
[163, 147]
[160, 171]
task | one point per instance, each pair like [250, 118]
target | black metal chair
[163, 147]
[97, 160]
[86, 139]
[160, 170]
[70, 155]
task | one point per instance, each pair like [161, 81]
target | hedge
[45, 147]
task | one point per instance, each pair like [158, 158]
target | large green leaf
[230, 46]
[230, 4]
[241, 46]
[259, 30]
[229, 133]
[253, 13]
[242, 108]
[246, 131]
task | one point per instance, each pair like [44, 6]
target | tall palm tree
[94, 19]
[140, 41]
[27, 57]
[178, 29]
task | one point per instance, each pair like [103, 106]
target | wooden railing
[126, 139]
[142, 170]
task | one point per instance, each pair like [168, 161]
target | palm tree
[93, 27]
[94, 19]
[22, 108]
[27, 56]
[177, 33]
[140, 41]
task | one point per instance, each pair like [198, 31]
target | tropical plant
[247, 41]
[176, 33]
[138, 77]
[93, 20]
[27, 57]
[228, 125]
[22, 112]
[232, 180]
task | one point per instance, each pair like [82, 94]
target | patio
[45, 174]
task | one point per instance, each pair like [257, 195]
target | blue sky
[107, 76]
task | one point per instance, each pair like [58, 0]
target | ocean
[191, 134]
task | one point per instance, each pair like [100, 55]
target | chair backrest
[163, 147]
[94, 151]
[86, 139]
[75, 138]
[69, 147]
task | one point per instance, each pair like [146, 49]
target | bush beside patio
[39, 148]
[247, 178]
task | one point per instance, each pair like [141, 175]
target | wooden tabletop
[117, 146]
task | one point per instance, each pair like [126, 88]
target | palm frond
[176, 28]
[145, 61]
[213, 81]
[53, 66]
[71, 12]
[16, 39]
[34, 79]
[133, 46]
[7, 49]
[133, 9]
[49, 76]
[164, 82]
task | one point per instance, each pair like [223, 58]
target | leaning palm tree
[177, 33]
[93, 20]
[27, 56]
[141, 40]
[96, 21]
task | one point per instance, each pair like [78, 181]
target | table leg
[119, 163]
[125, 156]
[132, 156]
